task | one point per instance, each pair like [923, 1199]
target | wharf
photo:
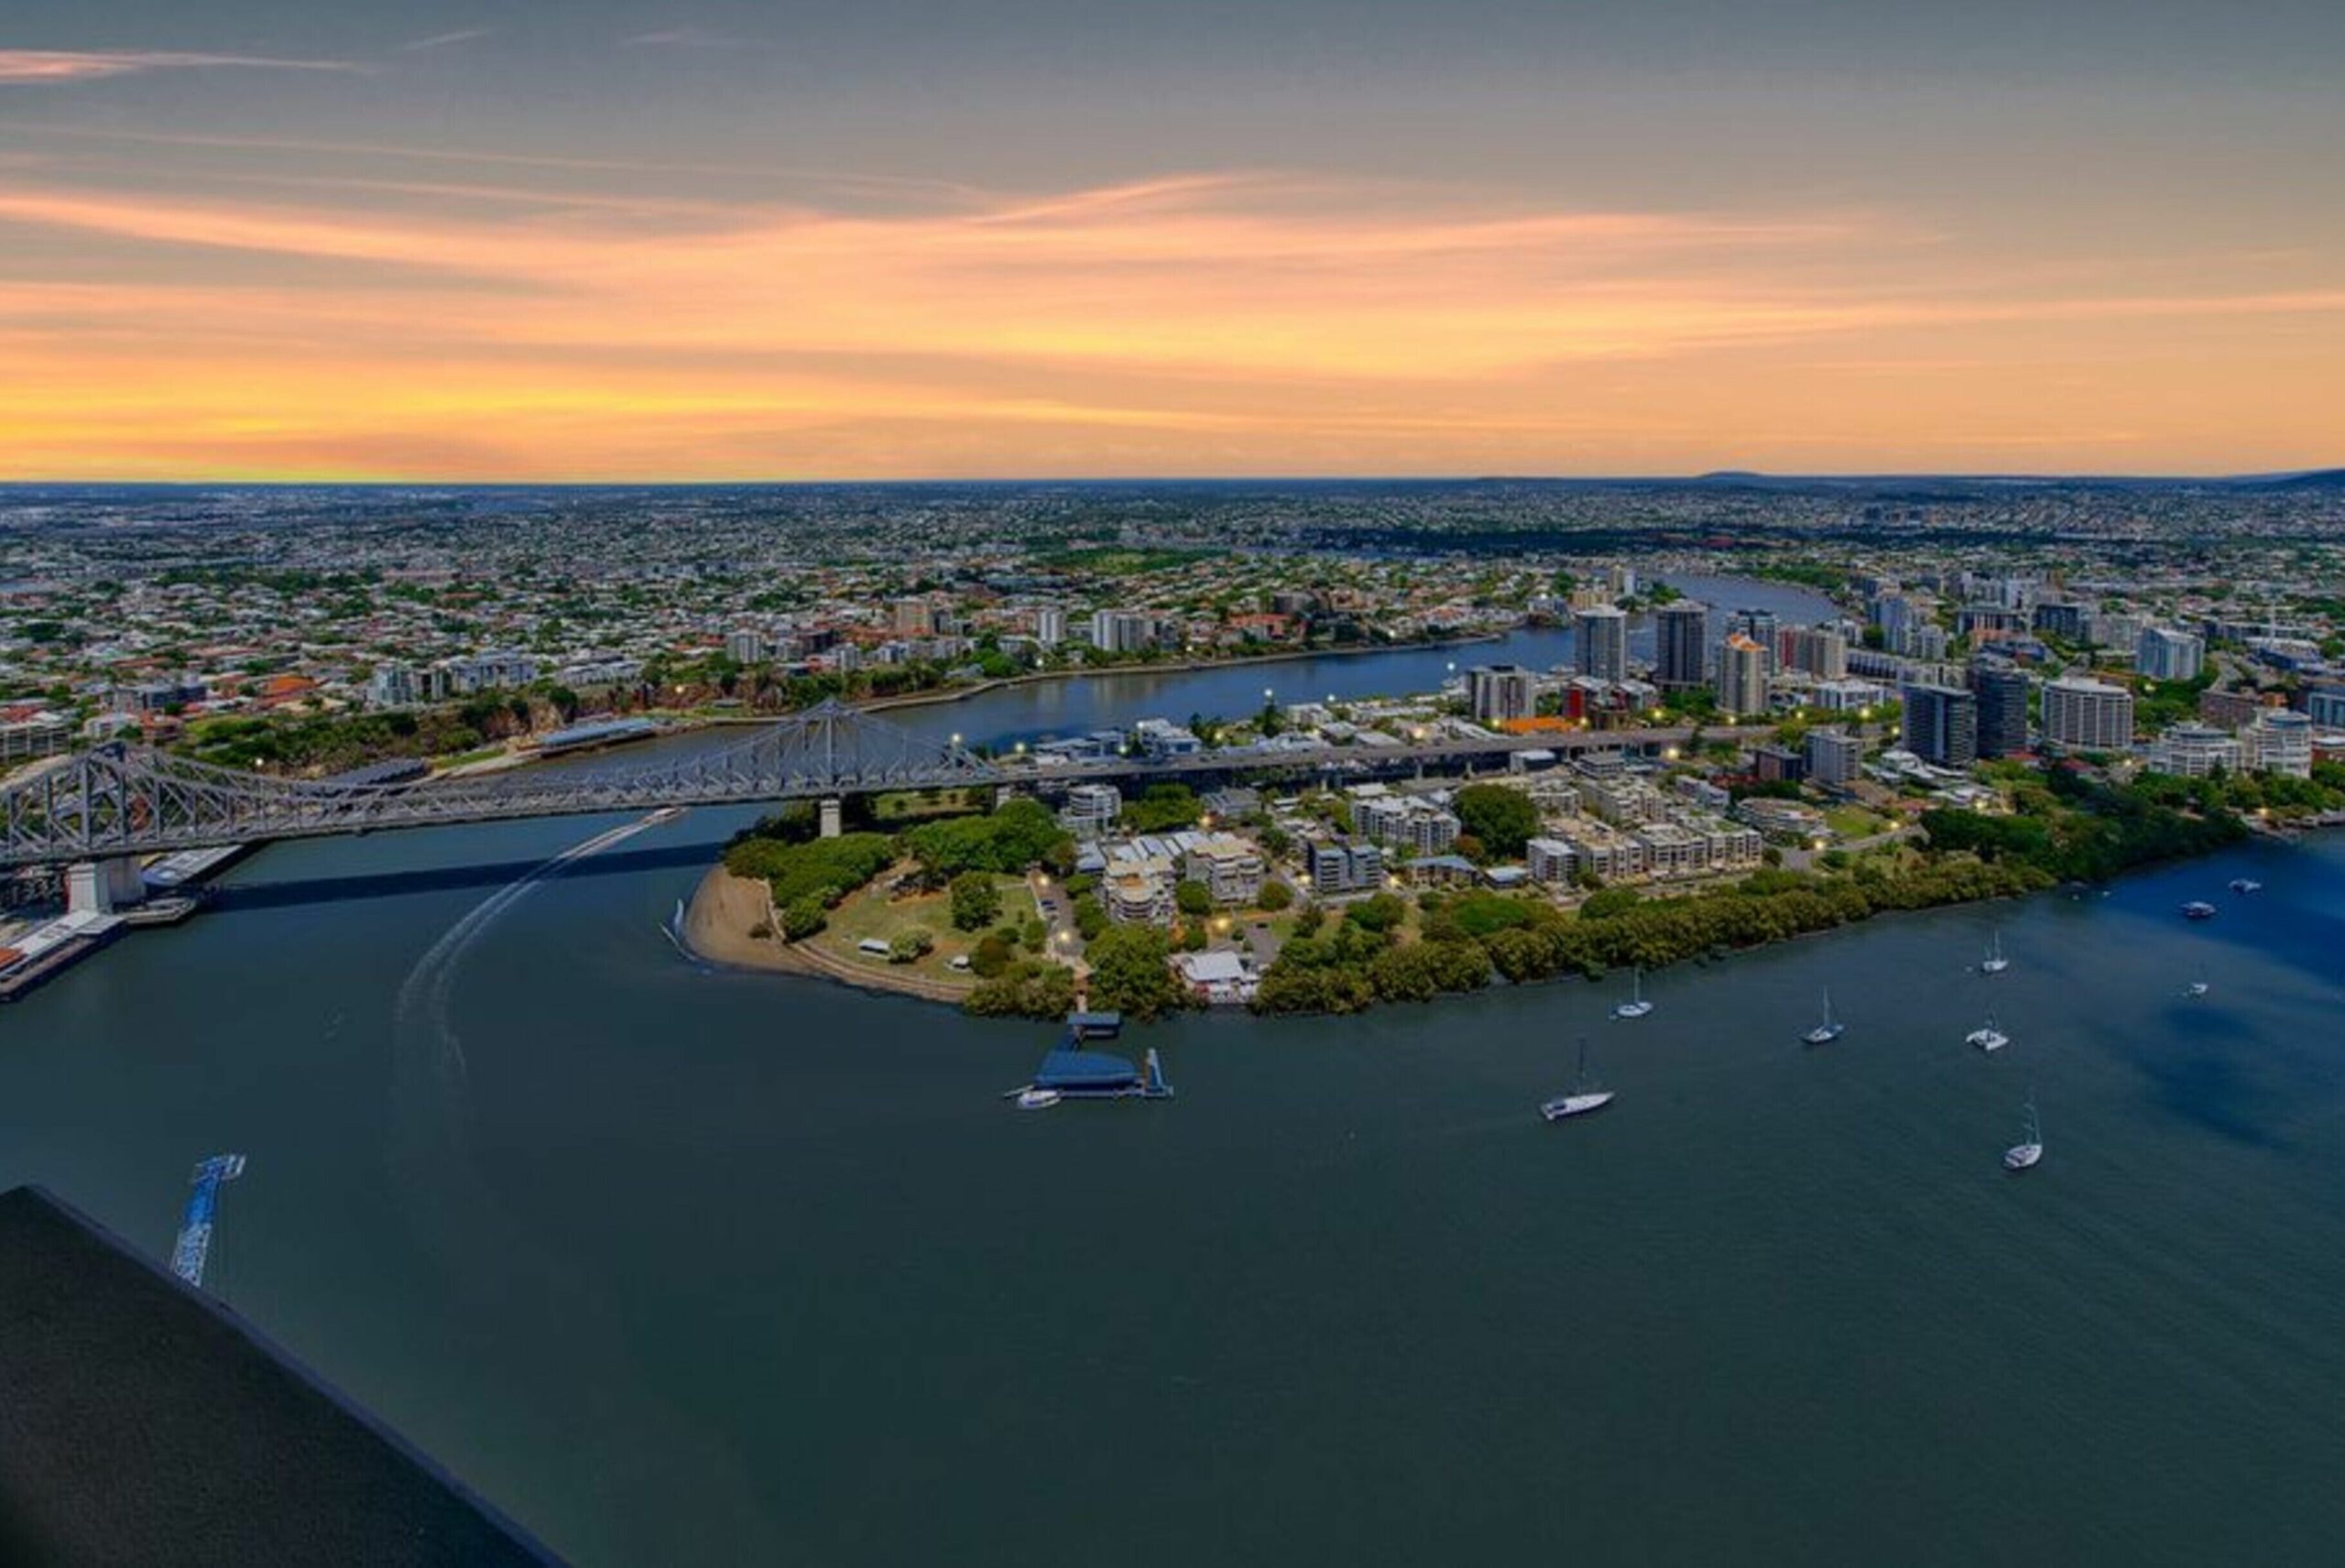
[48, 951]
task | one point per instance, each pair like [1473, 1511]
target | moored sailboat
[2024, 1154]
[1830, 1030]
[1636, 1006]
[1584, 1095]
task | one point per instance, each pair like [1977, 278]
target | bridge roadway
[120, 801]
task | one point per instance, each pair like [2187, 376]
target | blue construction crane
[195, 1232]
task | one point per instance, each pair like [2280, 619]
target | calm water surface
[682, 1266]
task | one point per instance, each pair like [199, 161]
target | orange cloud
[1203, 323]
[92, 65]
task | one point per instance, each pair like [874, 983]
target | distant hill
[2312, 479]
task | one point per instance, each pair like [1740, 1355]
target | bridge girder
[122, 799]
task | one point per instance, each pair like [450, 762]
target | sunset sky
[483, 240]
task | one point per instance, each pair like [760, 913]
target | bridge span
[120, 800]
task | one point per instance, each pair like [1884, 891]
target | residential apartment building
[1742, 675]
[1603, 637]
[1549, 861]
[1681, 645]
[1091, 809]
[2279, 741]
[1344, 866]
[2088, 715]
[1405, 820]
[1820, 651]
[2164, 654]
[1940, 724]
[1230, 867]
[1500, 691]
[2002, 691]
[1835, 757]
[2194, 751]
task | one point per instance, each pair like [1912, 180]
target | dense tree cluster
[2073, 828]
[824, 870]
[1024, 988]
[1163, 807]
[1014, 835]
[1501, 820]
[975, 901]
[1130, 973]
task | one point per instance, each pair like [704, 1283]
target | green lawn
[870, 913]
[1853, 822]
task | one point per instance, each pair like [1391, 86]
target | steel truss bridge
[118, 800]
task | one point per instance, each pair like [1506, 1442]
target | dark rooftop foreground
[142, 1422]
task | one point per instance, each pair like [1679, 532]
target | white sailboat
[1585, 1096]
[1987, 1037]
[2024, 1154]
[1636, 1006]
[1994, 963]
[1830, 1030]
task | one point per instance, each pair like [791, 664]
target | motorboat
[2246, 885]
[1987, 1037]
[2199, 910]
[1585, 1096]
[2024, 1154]
[1636, 1006]
[1031, 1099]
[2195, 989]
[1830, 1030]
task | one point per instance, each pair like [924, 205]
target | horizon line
[1820, 476]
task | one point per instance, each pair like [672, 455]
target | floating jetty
[195, 1232]
[1074, 1071]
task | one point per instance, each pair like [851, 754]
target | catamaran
[2023, 1154]
[1987, 1037]
[1636, 1006]
[1585, 1096]
[1994, 963]
[1829, 1030]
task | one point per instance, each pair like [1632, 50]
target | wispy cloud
[21, 66]
[681, 38]
[443, 40]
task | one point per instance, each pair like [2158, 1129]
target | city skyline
[903, 242]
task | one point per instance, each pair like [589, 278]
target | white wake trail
[425, 997]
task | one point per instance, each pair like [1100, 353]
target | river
[691, 1267]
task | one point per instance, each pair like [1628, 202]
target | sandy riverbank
[726, 908]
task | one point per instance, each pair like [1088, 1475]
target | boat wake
[424, 996]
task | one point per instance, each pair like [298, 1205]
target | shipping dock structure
[1074, 1072]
